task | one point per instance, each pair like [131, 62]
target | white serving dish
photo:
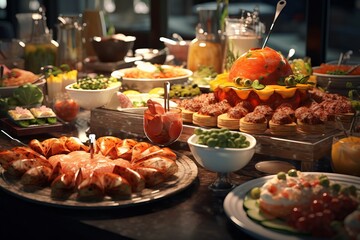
[222, 159]
[90, 99]
[146, 84]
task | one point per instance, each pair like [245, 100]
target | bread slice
[252, 128]
[224, 121]
[310, 128]
[187, 115]
[204, 120]
[282, 129]
[20, 113]
[42, 112]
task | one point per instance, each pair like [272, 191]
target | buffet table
[193, 213]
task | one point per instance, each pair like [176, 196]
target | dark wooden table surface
[194, 213]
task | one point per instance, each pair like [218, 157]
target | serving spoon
[352, 69]
[290, 54]
[279, 7]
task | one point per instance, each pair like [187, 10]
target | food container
[337, 83]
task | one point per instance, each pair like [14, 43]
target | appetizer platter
[22, 113]
[30, 130]
[246, 205]
[64, 172]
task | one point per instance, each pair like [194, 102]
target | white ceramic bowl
[144, 85]
[90, 99]
[222, 159]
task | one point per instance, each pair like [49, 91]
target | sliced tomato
[175, 129]
[153, 125]
[155, 107]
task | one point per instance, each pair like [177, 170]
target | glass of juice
[162, 127]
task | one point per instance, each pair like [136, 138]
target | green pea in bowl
[222, 160]
[92, 94]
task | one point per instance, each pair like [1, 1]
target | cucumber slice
[250, 203]
[51, 120]
[259, 216]
[23, 123]
[41, 121]
[279, 225]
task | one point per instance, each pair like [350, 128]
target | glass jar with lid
[71, 41]
[205, 50]
[241, 35]
[41, 50]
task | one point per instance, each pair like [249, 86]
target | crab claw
[115, 185]
[107, 146]
[121, 162]
[16, 153]
[37, 146]
[136, 181]
[55, 146]
[124, 150]
[154, 151]
[63, 181]
[91, 188]
[62, 185]
[56, 171]
[152, 176]
[18, 167]
[139, 148]
[164, 165]
[37, 176]
[75, 144]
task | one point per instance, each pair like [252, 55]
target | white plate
[145, 84]
[233, 206]
[182, 179]
[143, 97]
[8, 91]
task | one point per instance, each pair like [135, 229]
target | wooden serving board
[31, 130]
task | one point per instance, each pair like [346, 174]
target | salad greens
[28, 94]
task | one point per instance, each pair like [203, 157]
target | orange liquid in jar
[345, 154]
[204, 53]
[66, 109]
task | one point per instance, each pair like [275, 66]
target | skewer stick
[279, 7]
[92, 145]
[166, 96]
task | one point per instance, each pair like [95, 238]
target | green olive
[281, 175]
[222, 138]
[324, 182]
[255, 193]
[292, 173]
[335, 187]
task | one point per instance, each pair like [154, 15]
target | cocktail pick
[92, 145]
[279, 7]
[166, 96]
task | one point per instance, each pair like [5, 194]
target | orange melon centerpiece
[261, 76]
